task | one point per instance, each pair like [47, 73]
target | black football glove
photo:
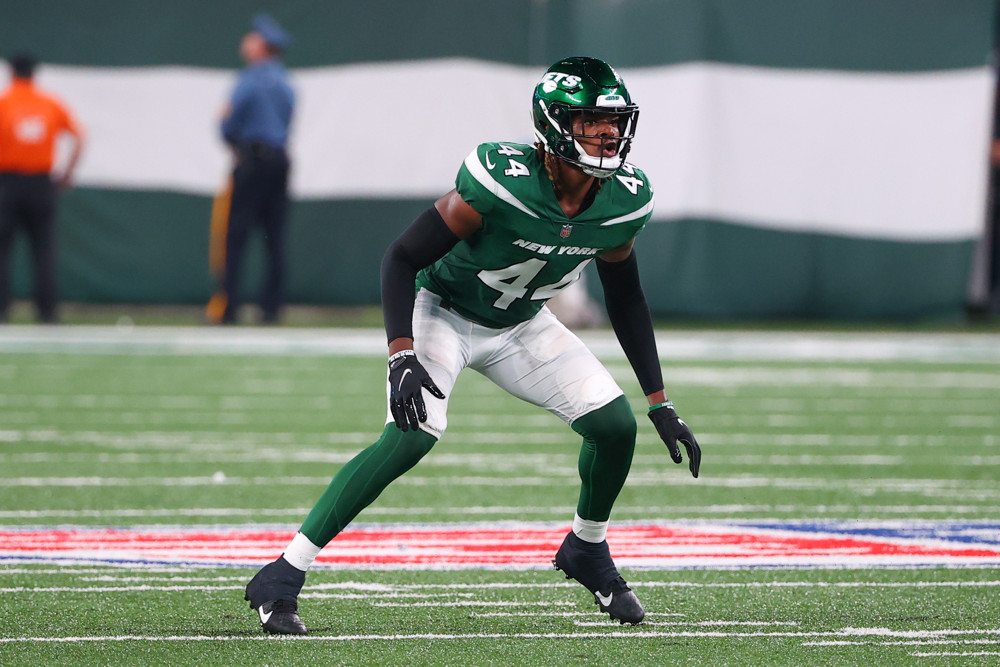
[406, 401]
[673, 429]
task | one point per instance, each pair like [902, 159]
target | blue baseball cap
[272, 32]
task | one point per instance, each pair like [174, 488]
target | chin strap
[598, 170]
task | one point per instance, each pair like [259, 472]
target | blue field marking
[967, 532]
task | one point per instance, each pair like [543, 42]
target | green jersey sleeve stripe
[479, 172]
[645, 210]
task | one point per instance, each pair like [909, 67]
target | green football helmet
[581, 86]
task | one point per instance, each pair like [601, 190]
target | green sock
[605, 458]
[362, 479]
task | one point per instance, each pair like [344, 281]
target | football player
[521, 224]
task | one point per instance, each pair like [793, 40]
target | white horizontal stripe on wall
[875, 155]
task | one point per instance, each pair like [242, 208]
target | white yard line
[500, 510]
[616, 634]
[832, 377]
[962, 654]
[562, 464]
[553, 614]
[677, 345]
[397, 589]
[160, 569]
[933, 488]
[645, 623]
[114, 589]
[976, 405]
[906, 642]
[381, 595]
[139, 513]
[153, 579]
[475, 603]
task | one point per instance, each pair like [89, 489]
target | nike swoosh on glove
[407, 377]
[672, 430]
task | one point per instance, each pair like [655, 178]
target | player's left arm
[629, 314]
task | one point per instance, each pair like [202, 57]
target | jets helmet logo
[553, 80]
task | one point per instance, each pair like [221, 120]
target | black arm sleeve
[630, 318]
[424, 242]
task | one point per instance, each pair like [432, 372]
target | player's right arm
[426, 240]
[461, 218]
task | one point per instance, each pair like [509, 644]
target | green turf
[703, 617]
[780, 439]
[88, 439]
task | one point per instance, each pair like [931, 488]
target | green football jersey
[527, 249]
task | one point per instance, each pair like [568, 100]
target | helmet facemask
[568, 146]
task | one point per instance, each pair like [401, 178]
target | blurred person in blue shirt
[255, 125]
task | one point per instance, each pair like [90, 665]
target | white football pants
[539, 361]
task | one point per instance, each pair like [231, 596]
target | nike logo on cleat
[264, 618]
[604, 600]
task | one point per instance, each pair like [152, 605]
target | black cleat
[591, 565]
[273, 593]
[281, 617]
[619, 602]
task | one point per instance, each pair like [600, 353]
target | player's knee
[416, 444]
[408, 447]
[611, 425]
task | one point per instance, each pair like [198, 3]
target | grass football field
[848, 509]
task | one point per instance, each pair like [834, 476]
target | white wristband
[401, 354]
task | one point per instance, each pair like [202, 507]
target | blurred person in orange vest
[30, 122]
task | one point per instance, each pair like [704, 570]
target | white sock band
[301, 552]
[590, 531]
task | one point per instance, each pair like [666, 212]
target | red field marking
[525, 545]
